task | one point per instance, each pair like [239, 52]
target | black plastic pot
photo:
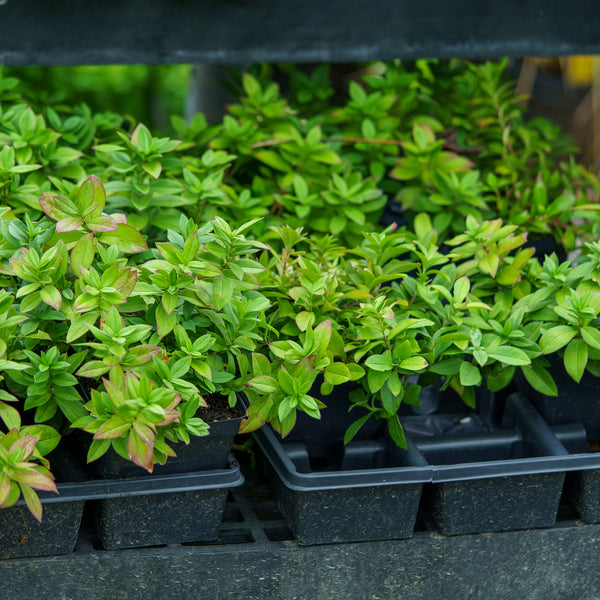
[162, 509]
[510, 478]
[369, 490]
[583, 484]
[202, 453]
[321, 436]
[575, 403]
[150, 510]
[21, 536]
[545, 246]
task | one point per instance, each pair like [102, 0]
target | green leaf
[380, 362]
[93, 369]
[273, 160]
[591, 336]
[329, 157]
[112, 428]
[82, 253]
[92, 197]
[139, 452]
[305, 319]
[469, 374]
[376, 380]
[509, 355]
[126, 238]
[576, 358]
[414, 363]
[165, 322]
[337, 224]
[68, 224]
[79, 327]
[556, 338]
[461, 289]
[264, 383]
[169, 302]
[286, 382]
[356, 371]
[51, 296]
[33, 502]
[142, 139]
[468, 397]
[539, 379]
[322, 335]
[500, 379]
[508, 275]
[10, 416]
[154, 169]
[336, 373]
[396, 431]
[108, 148]
[97, 449]
[354, 428]
[480, 356]
[489, 264]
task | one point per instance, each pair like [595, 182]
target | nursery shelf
[244, 31]
[256, 559]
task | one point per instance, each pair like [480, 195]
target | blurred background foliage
[564, 89]
[148, 93]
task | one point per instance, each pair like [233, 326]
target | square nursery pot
[153, 509]
[368, 490]
[162, 509]
[575, 403]
[583, 483]
[322, 436]
[21, 536]
[510, 477]
[201, 454]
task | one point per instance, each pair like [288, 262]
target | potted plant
[467, 319]
[73, 287]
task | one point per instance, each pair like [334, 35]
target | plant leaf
[557, 337]
[576, 358]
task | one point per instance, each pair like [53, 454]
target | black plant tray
[509, 478]
[134, 512]
[370, 490]
[583, 483]
[163, 509]
[201, 454]
[480, 477]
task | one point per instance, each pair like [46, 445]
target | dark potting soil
[218, 409]
[86, 385]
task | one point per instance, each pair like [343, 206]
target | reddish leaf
[141, 454]
[92, 197]
[111, 429]
[68, 224]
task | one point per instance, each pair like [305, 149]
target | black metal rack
[256, 559]
[69, 32]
